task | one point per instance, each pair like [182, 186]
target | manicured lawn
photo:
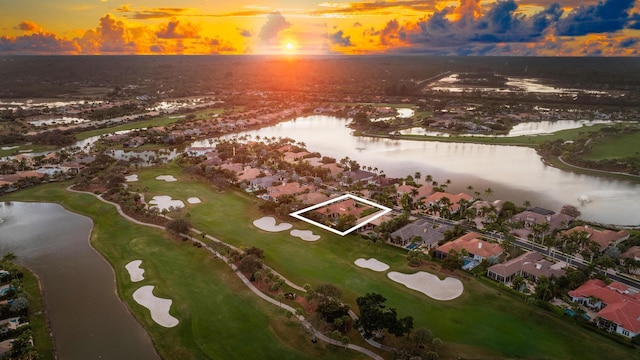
[219, 317]
[156, 121]
[484, 320]
[615, 147]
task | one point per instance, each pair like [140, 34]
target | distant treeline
[41, 76]
[53, 137]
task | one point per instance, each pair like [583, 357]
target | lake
[513, 173]
[88, 319]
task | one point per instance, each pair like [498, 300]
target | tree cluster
[376, 319]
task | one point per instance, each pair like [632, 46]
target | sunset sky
[290, 27]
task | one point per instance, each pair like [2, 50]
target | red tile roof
[602, 237]
[473, 244]
[621, 308]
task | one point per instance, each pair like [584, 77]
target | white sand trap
[194, 200]
[159, 307]
[9, 147]
[131, 178]
[372, 264]
[268, 223]
[429, 284]
[306, 235]
[167, 178]
[135, 272]
[163, 202]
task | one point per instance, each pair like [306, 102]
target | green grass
[484, 320]
[525, 140]
[156, 121]
[219, 317]
[37, 317]
[615, 147]
[33, 148]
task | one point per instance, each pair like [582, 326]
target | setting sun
[289, 46]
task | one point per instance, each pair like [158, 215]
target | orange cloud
[175, 30]
[27, 25]
[378, 7]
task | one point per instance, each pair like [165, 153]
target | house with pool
[618, 305]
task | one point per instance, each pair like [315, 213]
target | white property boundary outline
[384, 210]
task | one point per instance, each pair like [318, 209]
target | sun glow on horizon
[289, 47]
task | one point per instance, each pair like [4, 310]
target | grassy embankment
[219, 317]
[483, 322]
[615, 147]
[37, 316]
[525, 140]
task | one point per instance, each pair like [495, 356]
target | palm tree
[517, 282]
[428, 178]
[526, 204]
[417, 175]
[488, 192]
[445, 207]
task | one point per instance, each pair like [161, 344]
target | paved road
[553, 253]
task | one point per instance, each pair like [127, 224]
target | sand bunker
[306, 235]
[193, 200]
[131, 178]
[135, 272]
[268, 223]
[429, 284]
[372, 264]
[163, 202]
[159, 307]
[167, 178]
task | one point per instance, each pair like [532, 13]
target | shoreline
[457, 139]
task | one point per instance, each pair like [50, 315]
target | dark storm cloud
[275, 23]
[245, 33]
[338, 38]
[38, 43]
[500, 23]
[607, 16]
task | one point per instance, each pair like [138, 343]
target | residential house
[618, 307]
[477, 248]
[530, 265]
[334, 168]
[312, 198]
[454, 200]
[416, 193]
[292, 157]
[632, 253]
[355, 176]
[604, 238]
[289, 188]
[532, 217]
[373, 224]
[341, 208]
[264, 182]
[248, 173]
[421, 228]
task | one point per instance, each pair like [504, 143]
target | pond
[88, 319]
[513, 173]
